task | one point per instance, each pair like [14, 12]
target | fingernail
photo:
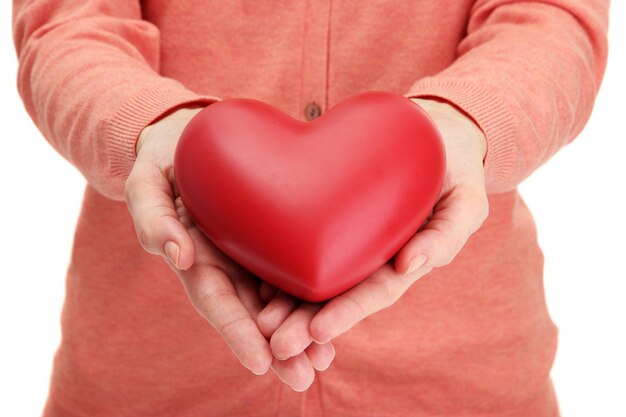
[259, 372]
[172, 251]
[330, 358]
[416, 263]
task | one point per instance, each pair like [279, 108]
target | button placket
[313, 92]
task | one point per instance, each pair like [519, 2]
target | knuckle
[447, 256]
[449, 243]
[358, 310]
[283, 346]
[147, 237]
[446, 259]
[390, 293]
[445, 227]
[222, 328]
[204, 306]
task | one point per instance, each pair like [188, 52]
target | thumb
[150, 200]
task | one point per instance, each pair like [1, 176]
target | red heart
[311, 207]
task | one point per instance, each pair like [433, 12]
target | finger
[293, 336]
[276, 312]
[183, 215]
[214, 297]
[320, 355]
[343, 312]
[456, 217]
[150, 200]
[267, 291]
[247, 287]
[296, 372]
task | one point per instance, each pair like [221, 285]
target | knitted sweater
[473, 338]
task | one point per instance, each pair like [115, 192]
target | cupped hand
[222, 292]
[460, 211]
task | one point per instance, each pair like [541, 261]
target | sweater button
[312, 111]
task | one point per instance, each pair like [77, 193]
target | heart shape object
[313, 207]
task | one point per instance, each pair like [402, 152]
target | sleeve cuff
[488, 112]
[137, 113]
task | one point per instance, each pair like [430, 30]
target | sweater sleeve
[88, 76]
[527, 72]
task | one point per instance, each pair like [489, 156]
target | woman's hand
[460, 211]
[222, 292]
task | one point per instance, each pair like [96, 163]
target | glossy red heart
[311, 207]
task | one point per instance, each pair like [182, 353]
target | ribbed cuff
[487, 111]
[137, 113]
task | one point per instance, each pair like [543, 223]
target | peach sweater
[471, 339]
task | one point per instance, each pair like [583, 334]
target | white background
[578, 201]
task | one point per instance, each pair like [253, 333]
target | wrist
[173, 122]
[444, 114]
